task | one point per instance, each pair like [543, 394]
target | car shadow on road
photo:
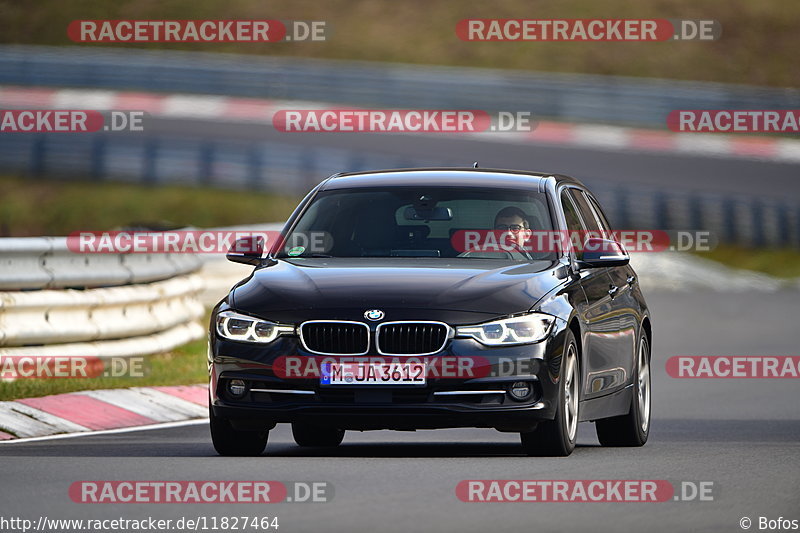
[195, 442]
[284, 450]
[407, 450]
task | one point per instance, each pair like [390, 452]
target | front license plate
[373, 374]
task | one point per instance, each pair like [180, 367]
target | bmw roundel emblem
[373, 314]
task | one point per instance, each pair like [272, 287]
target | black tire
[557, 437]
[633, 428]
[309, 435]
[232, 442]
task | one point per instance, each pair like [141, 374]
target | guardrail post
[98, 158]
[308, 168]
[38, 153]
[729, 219]
[757, 214]
[662, 211]
[695, 212]
[784, 237]
[205, 171]
[254, 168]
[149, 168]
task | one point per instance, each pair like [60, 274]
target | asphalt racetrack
[743, 435]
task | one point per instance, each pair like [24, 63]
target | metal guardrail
[61, 316]
[567, 97]
[47, 263]
[160, 342]
[57, 302]
[731, 219]
[295, 169]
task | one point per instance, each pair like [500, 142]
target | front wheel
[234, 442]
[556, 438]
[631, 429]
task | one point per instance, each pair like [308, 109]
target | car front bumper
[443, 402]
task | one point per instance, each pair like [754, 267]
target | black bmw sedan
[435, 298]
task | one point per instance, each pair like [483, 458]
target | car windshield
[419, 222]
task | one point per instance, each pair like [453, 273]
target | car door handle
[613, 290]
[631, 280]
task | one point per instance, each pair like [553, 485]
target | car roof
[445, 177]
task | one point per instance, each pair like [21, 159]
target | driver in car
[513, 222]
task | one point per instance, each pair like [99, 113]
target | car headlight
[239, 327]
[523, 329]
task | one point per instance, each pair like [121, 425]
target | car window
[601, 216]
[587, 214]
[574, 223]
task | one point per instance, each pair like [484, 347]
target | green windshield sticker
[297, 250]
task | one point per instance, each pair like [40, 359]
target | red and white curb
[101, 410]
[261, 111]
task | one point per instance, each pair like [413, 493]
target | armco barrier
[56, 302]
[732, 219]
[567, 97]
[160, 342]
[293, 169]
[60, 316]
[47, 263]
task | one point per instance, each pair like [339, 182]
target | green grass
[182, 366]
[777, 262]
[758, 44]
[31, 207]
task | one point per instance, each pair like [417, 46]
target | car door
[627, 304]
[600, 346]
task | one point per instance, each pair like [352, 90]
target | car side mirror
[602, 253]
[247, 250]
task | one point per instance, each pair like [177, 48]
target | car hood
[457, 290]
